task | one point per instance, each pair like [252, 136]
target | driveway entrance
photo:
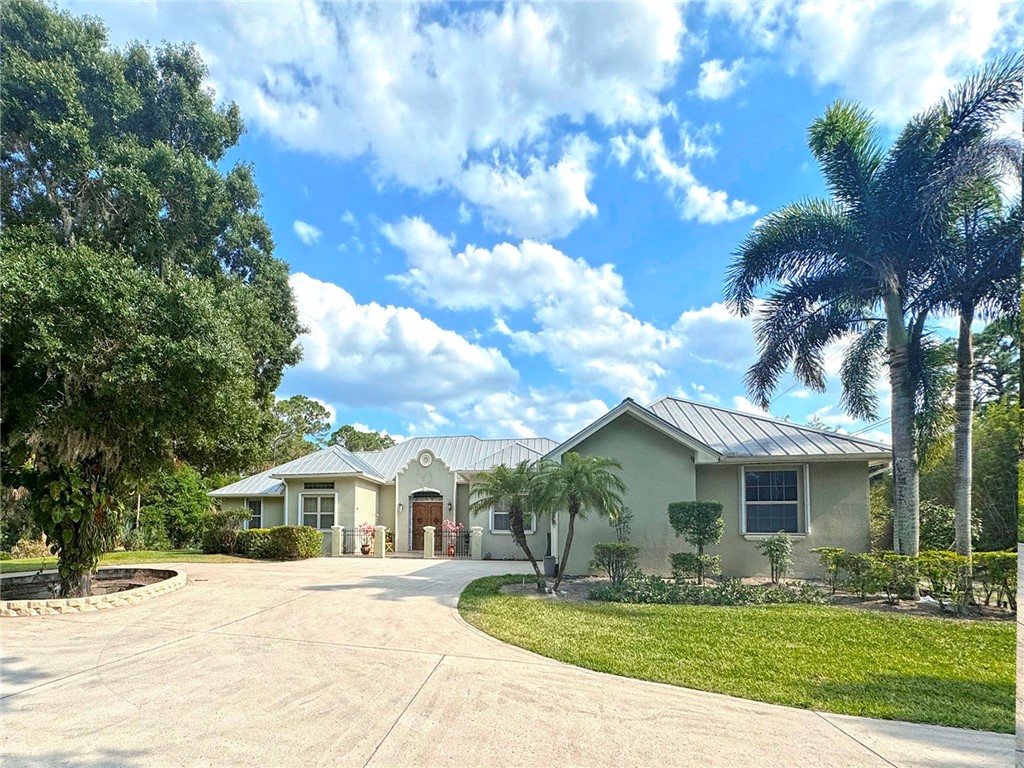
[366, 662]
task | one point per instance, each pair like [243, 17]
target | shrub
[700, 524]
[689, 565]
[655, 590]
[619, 559]
[254, 542]
[295, 542]
[862, 573]
[31, 548]
[897, 575]
[948, 575]
[779, 551]
[133, 540]
[220, 530]
[998, 574]
[174, 506]
[830, 559]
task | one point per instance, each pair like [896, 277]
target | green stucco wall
[657, 471]
[838, 512]
[273, 509]
[415, 478]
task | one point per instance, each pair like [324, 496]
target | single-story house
[769, 475]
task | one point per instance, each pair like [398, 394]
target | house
[769, 475]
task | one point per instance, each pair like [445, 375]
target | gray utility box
[550, 566]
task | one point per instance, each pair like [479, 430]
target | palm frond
[845, 142]
[859, 373]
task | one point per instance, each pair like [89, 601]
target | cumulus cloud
[428, 94]
[307, 233]
[694, 200]
[896, 58]
[367, 355]
[718, 80]
[548, 202]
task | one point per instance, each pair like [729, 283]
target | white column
[428, 542]
[380, 532]
[336, 540]
[476, 542]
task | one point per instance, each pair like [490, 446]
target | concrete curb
[11, 608]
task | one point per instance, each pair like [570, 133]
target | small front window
[318, 485]
[772, 501]
[318, 512]
[255, 513]
[500, 522]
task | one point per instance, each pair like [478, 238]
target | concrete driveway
[366, 662]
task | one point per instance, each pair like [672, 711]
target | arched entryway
[426, 508]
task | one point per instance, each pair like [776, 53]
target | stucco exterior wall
[418, 478]
[462, 514]
[838, 517]
[365, 501]
[657, 471]
[386, 506]
[273, 508]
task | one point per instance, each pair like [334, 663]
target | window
[255, 513]
[772, 501]
[500, 524]
[318, 485]
[318, 512]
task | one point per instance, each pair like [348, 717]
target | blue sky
[503, 219]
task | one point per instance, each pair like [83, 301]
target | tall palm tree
[514, 491]
[856, 264]
[977, 273]
[580, 485]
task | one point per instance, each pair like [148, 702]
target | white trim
[802, 499]
[508, 531]
[301, 515]
[800, 458]
[641, 414]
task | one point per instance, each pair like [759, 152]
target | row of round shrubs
[283, 542]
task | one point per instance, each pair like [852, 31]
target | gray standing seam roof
[461, 453]
[333, 460]
[254, 485]
[741, 435]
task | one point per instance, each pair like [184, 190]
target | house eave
[798, 458]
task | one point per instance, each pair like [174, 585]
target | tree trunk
[906, 494]
[964, 404]
[565, 550]
[516, 522]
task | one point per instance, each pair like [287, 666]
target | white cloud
[580, 313]
[538, 413]
[698, 142]
[350, 218]
[307, 233]
[742, 404]
[897, 58]
[465, 215]
[424, 93]
[371, 355]
[548, 202]
[694, 200]
[719, 81]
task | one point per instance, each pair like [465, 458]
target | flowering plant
[450, 526]
[366, 532]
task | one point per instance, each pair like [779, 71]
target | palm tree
[579, 484]
[856, 264]
[514, 491]
[978, 273]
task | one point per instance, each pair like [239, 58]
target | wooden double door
[426, 513]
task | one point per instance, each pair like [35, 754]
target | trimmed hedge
[283, 542]
[655, 590]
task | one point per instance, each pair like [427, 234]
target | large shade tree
[301, 427]
[354, 439]
[854, 265]
[145, 317]
[513, 490]
[580, 485]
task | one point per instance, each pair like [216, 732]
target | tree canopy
[353, 439]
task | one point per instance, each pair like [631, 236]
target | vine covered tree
[858, 262]
[145, 316]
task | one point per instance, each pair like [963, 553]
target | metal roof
[460, 453]
[333, 460]
[744, 435]
[255, 485]
[509, 456]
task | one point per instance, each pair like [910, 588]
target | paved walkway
[366, 662]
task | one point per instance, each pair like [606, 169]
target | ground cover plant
[125, 558]
[829, 658]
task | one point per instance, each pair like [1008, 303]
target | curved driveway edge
[366, 662]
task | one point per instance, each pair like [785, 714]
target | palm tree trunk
[906, 493]
[964, 404]
[519, 534]
[565, 550]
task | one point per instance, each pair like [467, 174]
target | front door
[426, 513]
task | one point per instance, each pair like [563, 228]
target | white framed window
[255, 513]
[774, 499]
[500, 524]
[318, 511]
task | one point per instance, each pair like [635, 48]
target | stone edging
[92, 603]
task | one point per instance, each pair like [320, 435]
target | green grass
[125, 558]
[843, 660]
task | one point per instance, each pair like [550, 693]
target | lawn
[125, 558]
[834, 659]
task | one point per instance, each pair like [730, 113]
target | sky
[502, 220]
